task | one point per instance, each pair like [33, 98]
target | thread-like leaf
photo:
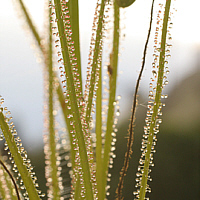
[112, 94]
[95, 62]
[21, 166]
[46, 57]
[33, 30]
[74, 21]
[51, 151]
[99, 134]
[156, 105]
[131, 126]
[74, 103]
[30, 24]
[9, 185]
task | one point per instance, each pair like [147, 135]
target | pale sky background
[21, 78]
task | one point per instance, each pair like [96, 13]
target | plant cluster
[78, 160]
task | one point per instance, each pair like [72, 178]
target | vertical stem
[95, 61]
[66, 112]
[31, 25]
[74, 15]
[156, 103]
[52, 136]
[74, 103]
[113, 82]
[98, 135]
[131, 125]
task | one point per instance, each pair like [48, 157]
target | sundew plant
[79, 155]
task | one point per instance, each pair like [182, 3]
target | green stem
[132, 120]
[66, 113]
[77, 194]
[61, 98]
[21, 166]
[36, 36]
[52, 136]
[113, 82]
[74, 22]
[98, 134]
[30, 25]
[74, 103]
[157, 102]
[74, 16]
[95, 62]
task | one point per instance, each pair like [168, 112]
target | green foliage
[89, 155]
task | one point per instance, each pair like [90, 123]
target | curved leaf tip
[124, 3]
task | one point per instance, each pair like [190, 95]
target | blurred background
[176, 174]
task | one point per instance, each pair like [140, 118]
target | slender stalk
[52, 137]
[98, 134]
[74, 22]
[95, 61]
[112, 94]
[77, 194]
[30, 24]
[12, 178]
[61, 98]
[131, 126]
[38, 39]
[74, 103]
[157, 102]
[74, 25]
[74, 16]
[25, 175]
[66, 114]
